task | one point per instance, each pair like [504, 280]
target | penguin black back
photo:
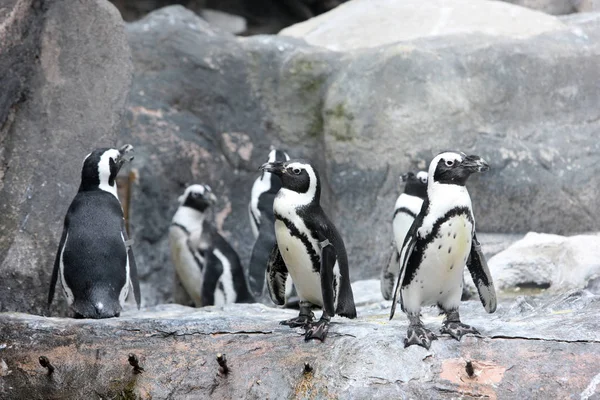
[94, 259]
[93, 218]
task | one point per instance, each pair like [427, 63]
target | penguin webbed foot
[317, 330]
[419, 335]
[301, 320]
[457, 329]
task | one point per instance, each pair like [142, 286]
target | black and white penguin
[207, 266]
[440, 242]
[407, 207]
[260, 209]
[309, 248]
[94, 260]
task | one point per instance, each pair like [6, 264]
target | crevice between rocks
[178, 334]
[543, 340]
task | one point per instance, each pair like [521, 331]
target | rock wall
[66, 72]
[205, 106]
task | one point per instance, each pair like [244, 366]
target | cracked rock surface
[532, 347]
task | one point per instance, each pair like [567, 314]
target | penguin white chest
[439, 277]
[186, 266]
[297, 258]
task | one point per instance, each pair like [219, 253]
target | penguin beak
[125, 153]
[474, 163]
[212, 198]
[275, 167]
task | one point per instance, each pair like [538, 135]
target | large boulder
[362, 24]
[65, 74]
[205, 106]
[514, 357]
[553, 262]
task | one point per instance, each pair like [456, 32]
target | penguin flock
[298, 259]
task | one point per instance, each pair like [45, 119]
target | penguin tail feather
[350, 315]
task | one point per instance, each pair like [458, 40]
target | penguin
[260, 209]
[206, 264]
[95, 260]
[407, 207]
[440, 242]
[309, 248]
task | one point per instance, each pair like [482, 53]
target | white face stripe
[193, 189]
[422, 176]
[299, 199]
[449, 155]
[104, 171]
[272, 155]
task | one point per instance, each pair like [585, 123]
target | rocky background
[365, 103]
[365, 99]
[206, 105]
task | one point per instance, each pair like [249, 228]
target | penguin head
[416, 184]
[277, 155]
[101, 166]
[454, 168]
[198, 197]
[297, 176]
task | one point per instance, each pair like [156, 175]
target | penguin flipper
[328, 260]
[133, 275]
[277, 274]
[387, 275]
[406, 252]
[54, 278]
[477, 266]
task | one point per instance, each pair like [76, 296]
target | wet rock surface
[65, 74]
[516, 355]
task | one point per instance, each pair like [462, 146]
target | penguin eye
[423, 180]
[449, 163]
[296, 170]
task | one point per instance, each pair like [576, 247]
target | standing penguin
[260, 209]
[94, 259]
[207, 266]
[309, 248]
[439, 244]
[406, 209]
